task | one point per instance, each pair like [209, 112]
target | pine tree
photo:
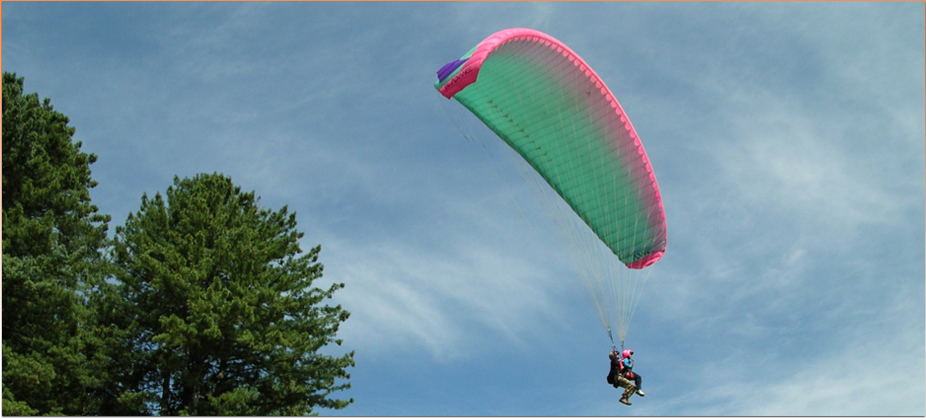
[53, 258]
[218, 310]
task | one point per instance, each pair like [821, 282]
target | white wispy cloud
[452, 296]
[778, 157]
[872, 375]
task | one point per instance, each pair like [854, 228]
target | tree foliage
[203, 304]
[216, 311]
[53, 257]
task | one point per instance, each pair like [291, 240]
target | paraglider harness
[626, 370]
[623, 370]
[619, 365]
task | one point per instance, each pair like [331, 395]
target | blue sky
[788, 140]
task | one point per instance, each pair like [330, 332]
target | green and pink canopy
[546, 103]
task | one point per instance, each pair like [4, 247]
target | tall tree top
[46, 178]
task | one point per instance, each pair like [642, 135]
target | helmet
[627, 353]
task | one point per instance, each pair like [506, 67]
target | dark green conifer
[219, 310]
[53, 259]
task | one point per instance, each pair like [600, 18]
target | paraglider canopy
[545, 102]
